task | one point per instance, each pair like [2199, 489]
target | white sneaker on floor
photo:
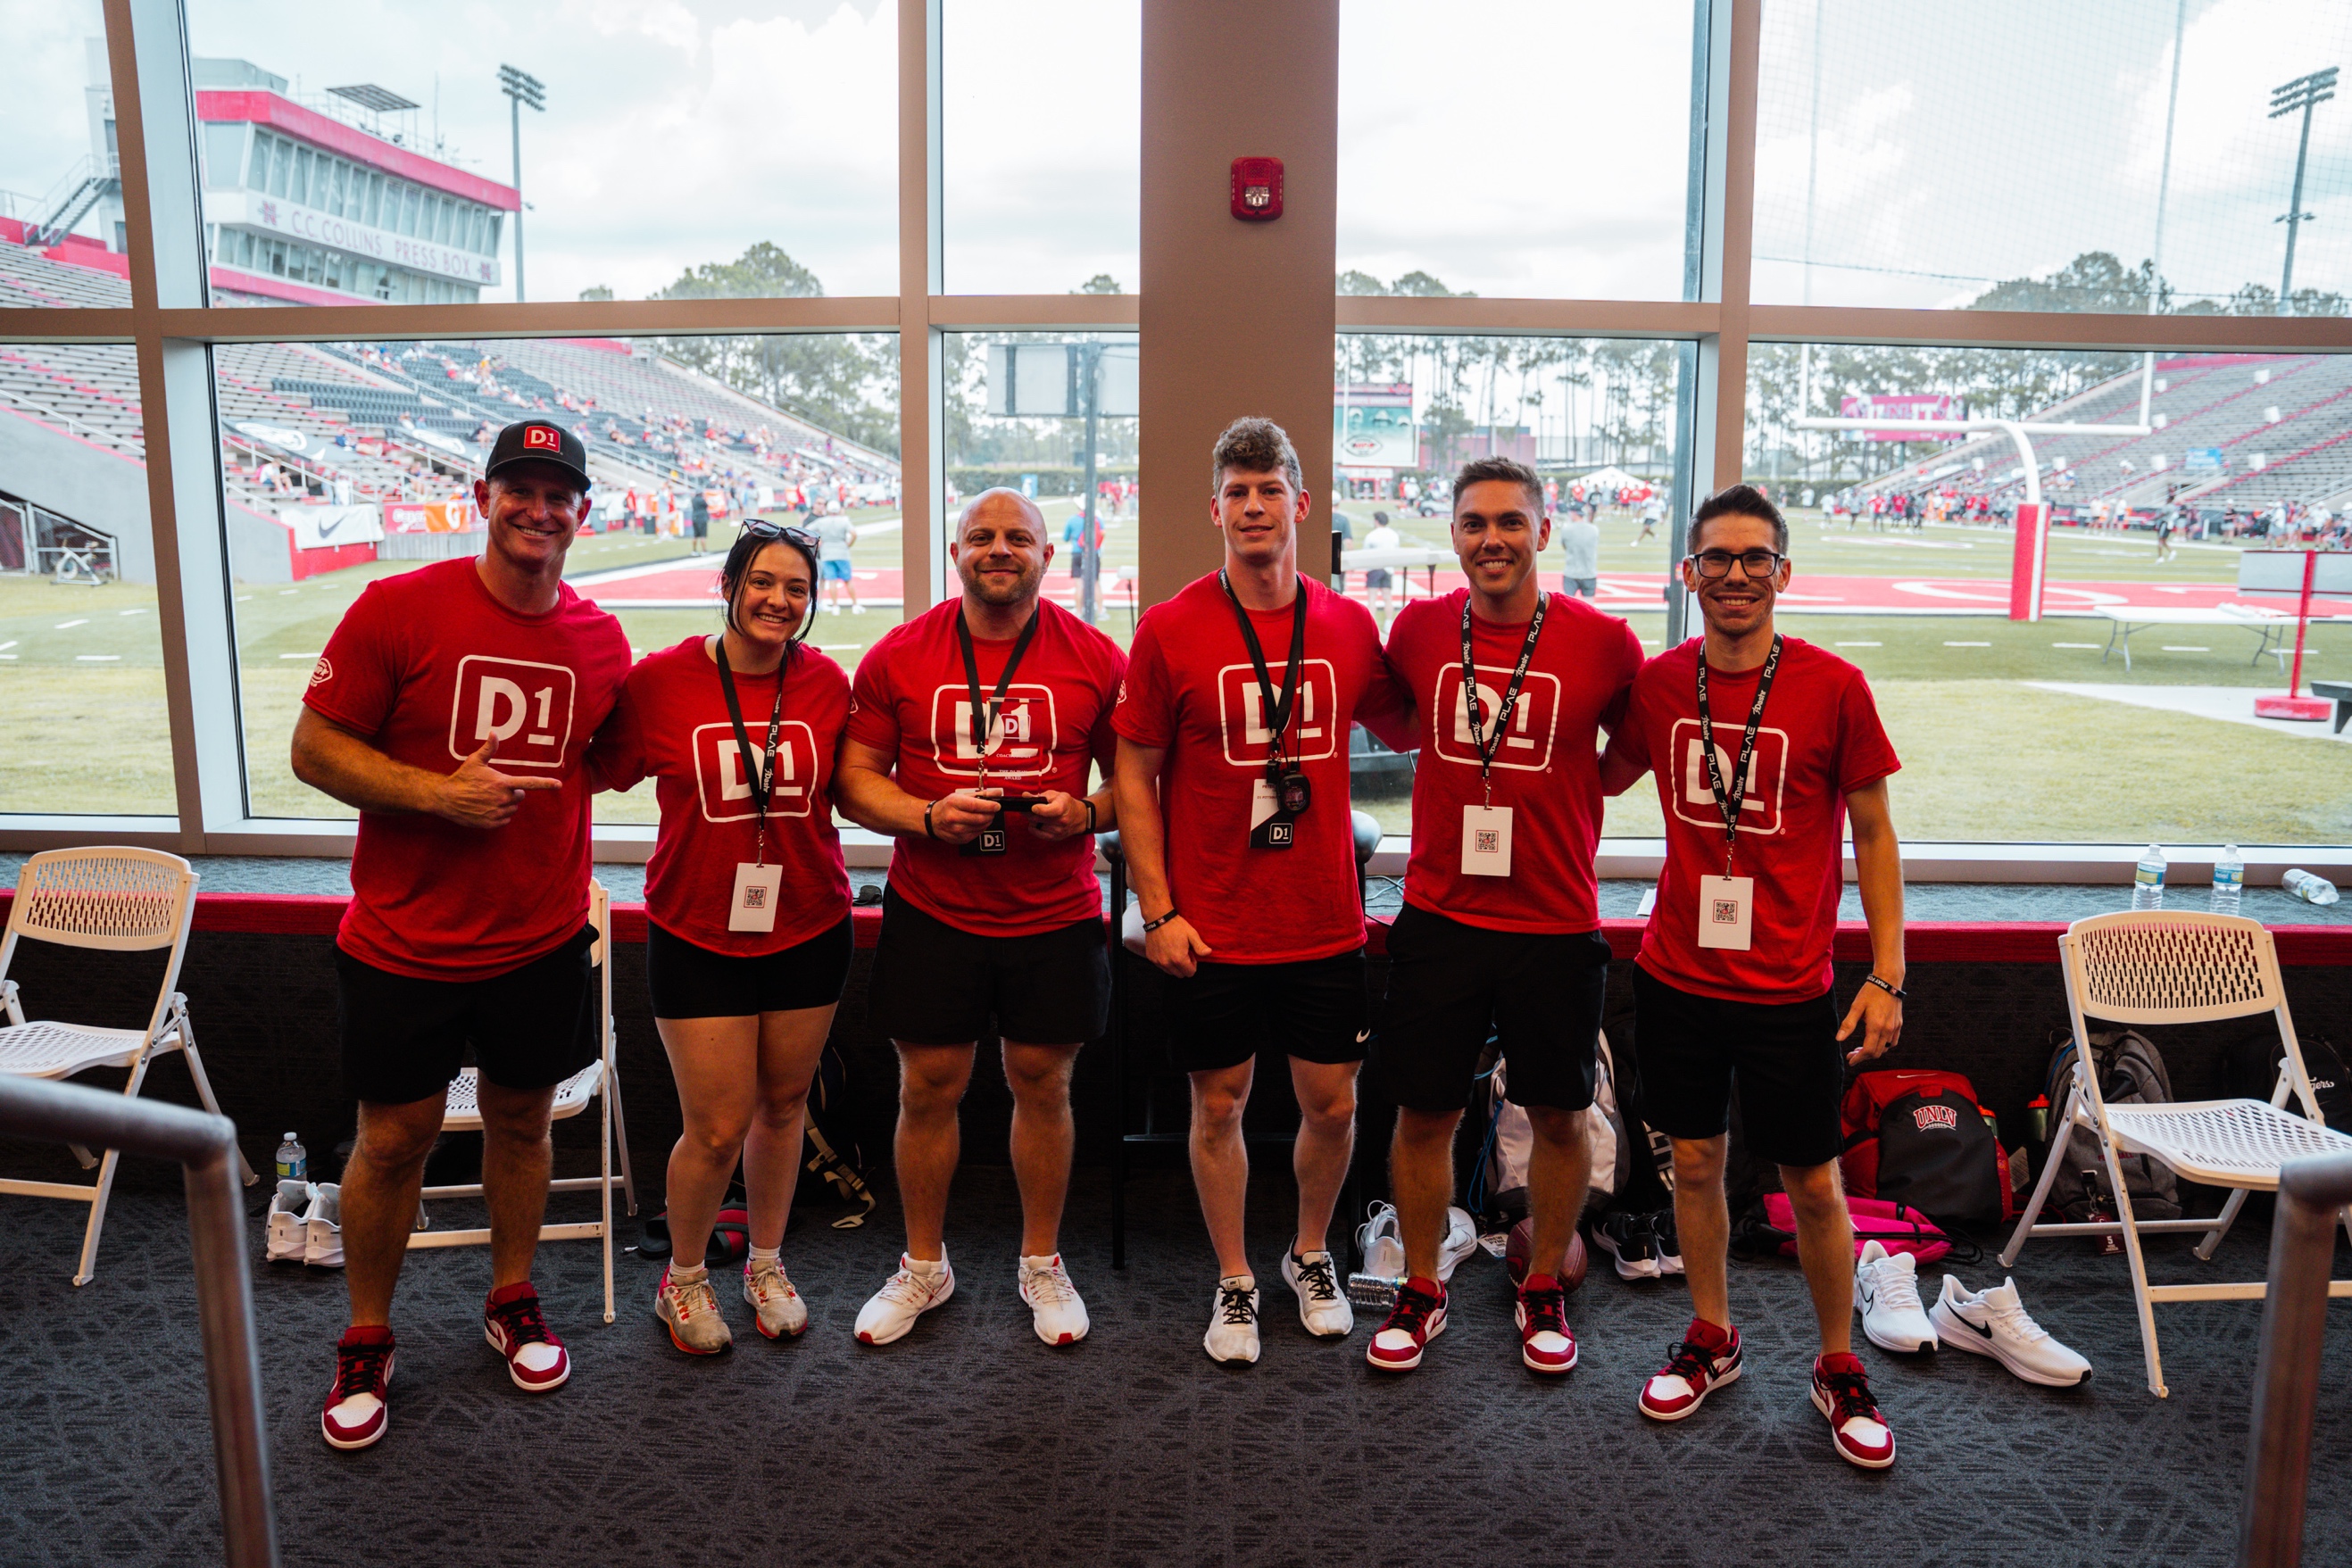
[1056, 1308]
[690, 1310]
[1381, 1244]
[288, 1233]
[323, 1227]
[904, 1297]
[1322, 1304]
[1233, 1320]
[1996, 1323]
[1886, 1295]
[1460, 1240]
[780, 1311]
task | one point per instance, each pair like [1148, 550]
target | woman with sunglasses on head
[747, 908]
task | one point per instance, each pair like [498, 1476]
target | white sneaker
[1381, 1243]
[1233, 1324]
[780, 1311]
[1058, 1311]
[1322, 1304]
[323, 1227]
[288, 1234]
[691, 1311]
[904, 1297]
[1460, 1240]
[1996, 1324]
[1886, 1295]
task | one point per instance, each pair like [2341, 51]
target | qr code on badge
[1726, 912]
[755, 898]
[1487, 841]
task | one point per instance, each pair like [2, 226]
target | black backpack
[2253, 1063]
[2131, 1072]
[828, 1148]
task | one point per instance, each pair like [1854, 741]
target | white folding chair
[118, 900]
[599, 1081]
[2163, 967]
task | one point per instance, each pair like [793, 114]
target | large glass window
[689, 152]
[2160, 624]
[82, 666]
[348, 462]
[1042, 136]
[1518, 148]
[2022, 156]
[61, 239]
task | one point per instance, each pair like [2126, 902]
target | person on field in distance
[835, 534]
[971, 736]
[453, 708]
[747, 905]
[1501, 932]
[1733, 987]
[1233, 791]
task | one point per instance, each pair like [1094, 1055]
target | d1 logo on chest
[522, 709]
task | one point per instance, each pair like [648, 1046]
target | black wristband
[1156, 924]
[1091, 814]
[1897, 993]
[927, 820]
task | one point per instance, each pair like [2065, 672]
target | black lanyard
[1729, 802]
[1489, 742]
[1276, 713]
[763, 778]
[984, 716]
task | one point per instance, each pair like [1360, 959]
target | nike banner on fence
[324, 528]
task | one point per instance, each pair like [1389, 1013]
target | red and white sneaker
[356, 1414]
[1418, 1317]
[1705, 1359]
[1842, 1393]
[536, 1359]
[1546, 1344]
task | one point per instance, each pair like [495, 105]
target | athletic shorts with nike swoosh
[1313, 1009]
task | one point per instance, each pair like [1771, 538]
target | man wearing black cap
[452, 707]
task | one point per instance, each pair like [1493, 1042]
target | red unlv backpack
[1923, 1138]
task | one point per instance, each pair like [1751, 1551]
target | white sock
[929, 1268]
[1039, 1265]
[770, 1256]
[693, 1276]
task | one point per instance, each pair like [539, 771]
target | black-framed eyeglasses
[1754, 563]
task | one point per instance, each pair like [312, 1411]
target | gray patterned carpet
[969, 1442]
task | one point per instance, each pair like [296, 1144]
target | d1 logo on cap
[542, 438]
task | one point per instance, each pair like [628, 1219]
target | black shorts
[405, 1039]
[1452, 986]
[1783, 1058]
[1314, 1010]
[936, 985]
[690, 981]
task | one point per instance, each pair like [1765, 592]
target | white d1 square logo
[1534, 720]
[1767, 776]
[725, 784]
[523, 709]
[1241, 714]
[1021, 743]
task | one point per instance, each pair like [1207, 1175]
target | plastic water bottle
[2229, 881]
[2309, 888]
[293, 1163]
[2147, 880]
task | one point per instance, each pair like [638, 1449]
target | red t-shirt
[1819, 741]
[672, 722]
[1545, 770]
[1193, 691]
[425, 667]
[913, 701]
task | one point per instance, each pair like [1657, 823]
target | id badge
[1271, 828]
[1726, 907]
[1485, 841]
[991, 841]
[753, 907]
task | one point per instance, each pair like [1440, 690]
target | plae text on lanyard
[985, 715]
[1727, 903]
[1282, 797]
[752, 905]
[1485, 828]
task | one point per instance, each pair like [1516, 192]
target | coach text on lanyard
[1279, 799]
[1487, 829]
[985, 718]
[752, 905]
[1727, 903]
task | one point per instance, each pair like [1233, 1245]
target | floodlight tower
[2304, 93]
[522, 88]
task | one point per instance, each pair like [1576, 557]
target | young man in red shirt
[972, 729]
[1233, 789]
[1733, 985]
[1500, 932]
[452, 707]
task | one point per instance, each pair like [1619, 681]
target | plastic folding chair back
[2156, 969]
[112, 899]
[599, 1082]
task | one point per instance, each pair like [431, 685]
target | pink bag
[1897, 1226]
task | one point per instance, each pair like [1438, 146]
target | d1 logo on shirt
[1021, 743]
[724, 782]
[1241, 715]
[1767, 776]
[523, 709]
[1534, 719]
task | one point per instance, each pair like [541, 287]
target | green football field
[1989, 756]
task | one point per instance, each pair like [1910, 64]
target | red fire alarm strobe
[1257, 189]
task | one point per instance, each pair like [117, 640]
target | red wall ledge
[1925, 941]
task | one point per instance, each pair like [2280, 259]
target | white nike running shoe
[1887, 1293]
[905, 1296]
[1057, 1309]
[1997, 1324]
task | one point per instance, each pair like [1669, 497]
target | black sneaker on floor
[1670, 1249]
[1627, 1238]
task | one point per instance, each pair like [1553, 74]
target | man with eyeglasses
[1763, 747]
